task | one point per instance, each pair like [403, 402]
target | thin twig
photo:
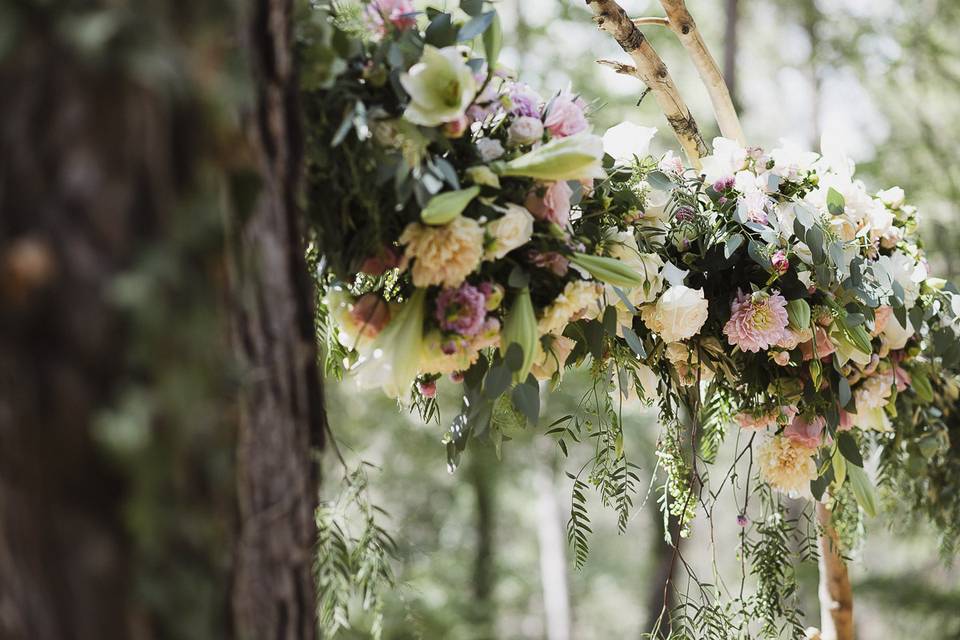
[650, 68]
[655, 20]
[681, 23]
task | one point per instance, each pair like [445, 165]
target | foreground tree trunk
[281, 404]
[836, 594]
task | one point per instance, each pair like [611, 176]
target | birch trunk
[553, 556]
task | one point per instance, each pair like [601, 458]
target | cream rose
[678, 314]
[512, 230]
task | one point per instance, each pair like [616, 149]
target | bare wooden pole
[650, 68]
[836, 594]
[682, 24]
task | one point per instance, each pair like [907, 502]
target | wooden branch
[681, 23]
[660, 22]
[651, 69]
[836, 593]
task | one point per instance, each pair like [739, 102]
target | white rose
[489, 149]
[892, 197]
[895, 335]
[525, 130]
[728, 158]
[790, 161]
[678, 314]
[626, 140]
[510, 231]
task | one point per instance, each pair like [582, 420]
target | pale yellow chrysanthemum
[580, 299]
[786, 465]
[445, 254]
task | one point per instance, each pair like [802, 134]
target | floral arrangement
[500, 241]
[470, 227]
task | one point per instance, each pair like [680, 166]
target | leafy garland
[462, 225]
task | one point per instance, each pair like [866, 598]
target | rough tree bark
[281, 404]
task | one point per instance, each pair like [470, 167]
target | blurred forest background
[481, 552]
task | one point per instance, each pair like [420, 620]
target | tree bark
[836, 594]
[553, 557]
[730, 47]
[282, 417]
[88, 173]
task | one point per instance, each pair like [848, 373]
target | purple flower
[684, 214]
[428, 389]
[565, 116]
[524, 101]
[461, 310]
[742, 520]
[723, 184]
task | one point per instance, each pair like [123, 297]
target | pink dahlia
[806, 433]
[757, 321]
[461, 310]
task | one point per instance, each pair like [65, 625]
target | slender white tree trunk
[553, 556]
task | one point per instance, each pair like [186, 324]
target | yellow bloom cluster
[445, 254]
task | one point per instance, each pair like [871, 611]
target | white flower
[510, 231]
[394, 357]
[892, 197]
[671, 163]
[875, 419]
[687, 364]
[728, 158]
[895, 335]
[441, 87]
[906, 272]
[881, 224]
[678, 314]
[649, 381]
[626, 140]
[489, 148]
[790, 161]
[525, 130]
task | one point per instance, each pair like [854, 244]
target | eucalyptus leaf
[732, 244]
[633, 341]
[475, 26]
[660, 181]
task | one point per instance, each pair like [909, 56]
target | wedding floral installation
[465, 225]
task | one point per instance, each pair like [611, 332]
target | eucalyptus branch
[682, 24]
[650, 68]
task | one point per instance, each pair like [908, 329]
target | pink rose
[780, 262]
[551, 204]
[880, 318]
[805, 434]
[565, 116]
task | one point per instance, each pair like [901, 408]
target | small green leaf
[732, 244]
[843, 391]
[920, 383]
[514, 357]
[633, 341]
[526, 398]
[445, 207]
[849, 449]
[493, 42]
[471, 7]
[497, 381]
[835, 202]
[441, 32]
[862, 489]
[660, 181]
[475, 26]
[839, 467]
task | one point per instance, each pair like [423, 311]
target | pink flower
[461, 310]
[756, 322]
[456, 128]
[552, 261]
[753, 421]
[386, 259]
[565, 116]
[804, 433]
[780, 262]
[846, 421]
[554, 203]
[399, 13]
[824, 345]
[428, 389]
[880, 318]
[900, 375]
